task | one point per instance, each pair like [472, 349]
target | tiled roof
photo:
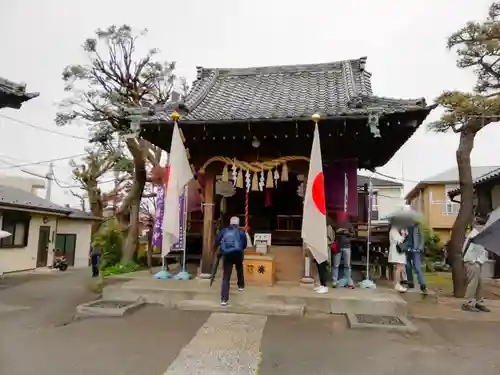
[18, 198]
[14, 93]
[288, 92]
[451, 176]
[486, 177]
[378, 182]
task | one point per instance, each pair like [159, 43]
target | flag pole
[183, 274]
[164, 258]
[184, 227]
[367, 282]
[164, 274]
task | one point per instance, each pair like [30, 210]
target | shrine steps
[276, 300]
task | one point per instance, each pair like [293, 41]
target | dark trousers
[230, 259]
[95, 265]
[322, 272]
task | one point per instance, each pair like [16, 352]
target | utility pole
[50, 179]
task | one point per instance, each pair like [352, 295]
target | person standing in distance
[474, 256]
[233, 242]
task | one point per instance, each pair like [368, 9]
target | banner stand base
[162, 275]
[183, 275]
[367, 284]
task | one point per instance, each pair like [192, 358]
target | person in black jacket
[343, 235]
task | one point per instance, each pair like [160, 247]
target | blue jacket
[243, 237]
[415, 239]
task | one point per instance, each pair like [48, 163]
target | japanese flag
[314, 215]
[179, 174]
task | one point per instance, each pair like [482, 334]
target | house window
[450, 207]
[17, 224]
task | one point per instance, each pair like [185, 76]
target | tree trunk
[465, 212]
[131, 235]
[128, 213]
[96, 207]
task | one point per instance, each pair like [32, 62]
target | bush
[119, 269]
[109, 243]
[432, 245]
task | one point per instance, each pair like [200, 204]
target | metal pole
[163, 258]
[184, 229]
[368, 236]
[50, 178]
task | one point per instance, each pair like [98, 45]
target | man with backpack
[233, 242]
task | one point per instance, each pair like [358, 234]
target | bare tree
[478, 47]
[88, 174]
[114, 84]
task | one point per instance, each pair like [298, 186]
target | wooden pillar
[208, 226]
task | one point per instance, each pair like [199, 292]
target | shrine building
[248, 132]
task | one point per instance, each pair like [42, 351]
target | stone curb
[250, 308]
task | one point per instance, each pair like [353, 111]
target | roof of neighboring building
[291, 92]
[482, 179]
[14, 94]
[17, 198]
[450, 176]
[378, 182]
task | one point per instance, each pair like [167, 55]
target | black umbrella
[215, 265]
[489, 236]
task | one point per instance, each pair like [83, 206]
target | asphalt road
[38, 335]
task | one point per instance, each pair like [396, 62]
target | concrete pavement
[42, 338]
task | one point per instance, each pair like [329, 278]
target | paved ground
[39, 336]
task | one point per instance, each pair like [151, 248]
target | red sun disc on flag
[318, 193]
[167, 175]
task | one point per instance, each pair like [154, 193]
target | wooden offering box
[259, 269]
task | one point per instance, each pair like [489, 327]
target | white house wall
[389, 199]
[24, 258]
[82, 229]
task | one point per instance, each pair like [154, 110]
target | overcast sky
[404, 40]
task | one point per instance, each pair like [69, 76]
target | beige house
[40, 229]
[431, 198]
[387, 198]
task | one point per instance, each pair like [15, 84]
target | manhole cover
[111, 304]
[379, 320]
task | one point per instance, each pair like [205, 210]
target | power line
[22, 170]
[44, 129]
[43, 161]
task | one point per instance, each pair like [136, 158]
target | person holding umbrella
[398, 242]
[397, 252]
[233, 242]
[415, 245]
